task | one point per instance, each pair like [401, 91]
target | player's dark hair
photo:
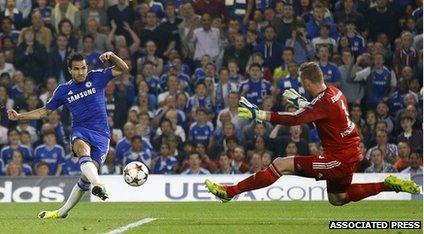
[75, 57]
[312, 72]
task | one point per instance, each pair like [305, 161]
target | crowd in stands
[191, 61]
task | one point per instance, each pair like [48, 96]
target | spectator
[255, 88]
[380, 81]
[285, 23]
[255, 163]
[191, 21]
[404, 150]
[330, 71]
[302, 46]
[59, 129]
[29, 56]
[378, 18]
[92, 29]
[138, 153]
[92, 11]
[406, 55]
[383, 115]
[167, 131]
[225, 166]
[349, 13]
[317, 20]
[412, 136]
[50, 153]
[13, 12]
[201, 130]
[282, 70]
[71, 166]
[354, 92]
[389, 151]
[165, 163]
[90, 54]
[156, 7]
[199, 100]
[415, 162]
[270, 49]
[324, 39]
[356, 41]
[222, 89]
[161, 34]
[8, 31]
[237, 51]
[58, 59]
[64, 9]
[14, 144]
[194, 166]
[291, 80]
[45, 11]
[379, 165]
[42, 169]
[42, 33]
[5, 66]
[18, 160]
[51, 85]
[14, 170]
[120, 13]
[206, 39]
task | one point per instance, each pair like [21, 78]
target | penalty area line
[131, 225]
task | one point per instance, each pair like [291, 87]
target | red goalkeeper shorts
[336, 172]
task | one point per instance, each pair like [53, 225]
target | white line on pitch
[131, 225]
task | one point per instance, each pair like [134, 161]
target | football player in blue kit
[84, 97]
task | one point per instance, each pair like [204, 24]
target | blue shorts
[99, 143]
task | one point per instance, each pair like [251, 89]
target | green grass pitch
[206, 217]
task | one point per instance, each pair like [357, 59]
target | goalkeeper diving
[340, 141]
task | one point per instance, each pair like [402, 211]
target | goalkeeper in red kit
[340, 141]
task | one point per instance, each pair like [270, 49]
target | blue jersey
[26, 169]
[396, 102]
[165, 165]
[54, 156]
[255, 91]
[331, 73]
[290, 82]
[380, 84]
[93, 61]
[199, 74]
[71, 166]
[124, 145]
[202, 171]
[195, 102]
[200, 133]
[7, 151]
[357, 44]
[85, 100]
[144, 156]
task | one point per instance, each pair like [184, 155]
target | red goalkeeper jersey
[329, 112]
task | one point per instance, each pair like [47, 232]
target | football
[136, 173]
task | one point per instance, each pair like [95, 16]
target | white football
[136, 173]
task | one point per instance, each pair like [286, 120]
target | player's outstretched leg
[77, 192]
[260, 179]
[357, 192]
[89, 168]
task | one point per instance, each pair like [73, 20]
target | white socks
[89, 170]
[73, 199]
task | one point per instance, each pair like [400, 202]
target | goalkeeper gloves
[295, 98]
[249, 110]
